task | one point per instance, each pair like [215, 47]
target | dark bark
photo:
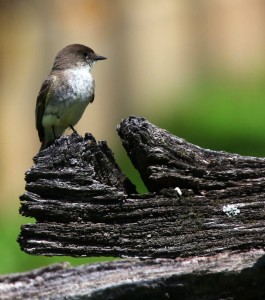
[75, 167]
[226, 276]
[84, 207]
[157, 226]
[201, 203]
[166, 161]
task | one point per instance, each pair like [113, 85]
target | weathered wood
[206, 202]
[166, 161]
[226, 276]
[201, 203]
[155, 227]
[75, 167]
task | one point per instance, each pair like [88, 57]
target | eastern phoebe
[66, 92]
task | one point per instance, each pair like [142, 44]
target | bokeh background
[195, 68]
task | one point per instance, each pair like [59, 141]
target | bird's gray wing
[41, 104]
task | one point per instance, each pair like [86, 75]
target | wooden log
[226, 276]
[166, 161]
[205, 202]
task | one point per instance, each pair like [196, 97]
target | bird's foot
[73, 129]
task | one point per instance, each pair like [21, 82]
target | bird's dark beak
[99, 57]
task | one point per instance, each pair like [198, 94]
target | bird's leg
[55, 137]
[71, 126]
[53, 130]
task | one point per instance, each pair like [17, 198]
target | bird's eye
[85, 54]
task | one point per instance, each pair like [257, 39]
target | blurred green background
[195, 68]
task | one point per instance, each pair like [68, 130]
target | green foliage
[221, 114]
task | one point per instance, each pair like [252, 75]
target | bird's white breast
[81, 82]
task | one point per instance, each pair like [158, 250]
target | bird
[65, 92]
